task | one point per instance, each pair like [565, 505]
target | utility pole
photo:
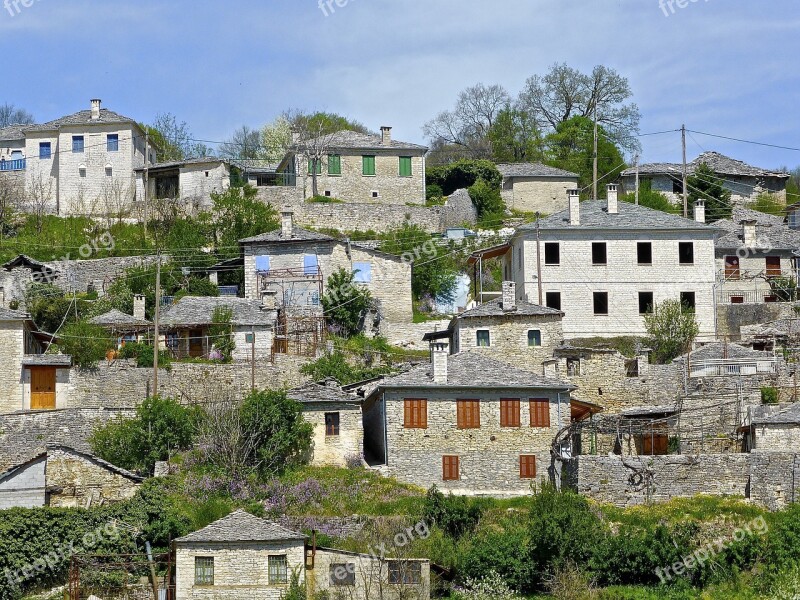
[685, 182]
[637, 179]
[156, 342]
[253, 360]
[594, 171]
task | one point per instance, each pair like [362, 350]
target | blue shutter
[310, 266]
[262, 263]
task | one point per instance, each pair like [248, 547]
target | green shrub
[337, 366]
[769, 395]
[456, 515]
[221, 332]
[488, 202]
[500, 551]
[345, 303]
[463, 174]
[86, 343]
[324, 200]
[434, 196]
[143, 353]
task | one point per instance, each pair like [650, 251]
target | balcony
[732, 367]
[13, 165]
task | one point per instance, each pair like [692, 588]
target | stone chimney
[386, 135]
[749, 233]
[613, 199]
[96, 109]
[700, 211]
[439, 354]
[138, 306]
[509, 296]
[287, 224]
[574, 207]
[295, 136]
[269, 299]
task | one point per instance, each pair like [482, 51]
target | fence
[726, 367]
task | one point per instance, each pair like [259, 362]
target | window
[677, 186]
[343, 574]
[416, 413]
[332, 424]
[262, 263]
[203, 570]
[310, 264]
[686, 253]
[644, 253]
[573, 367]
[552, 253]
[510, 412]
[278, 569]
[540, 412]
[314, 164]
[483, 339]
[45, 150]
[599, 253]
[601, 303]
[737, 299]
[773, 266]
[645, 303]
[375, 194]
[534, 338]
[404, 572]
[405, 166]
[468, 414]
[732, 268]
[77, 144]
[553, 300]
[112, 143]
[688, 301]
[109, 171]
[450, 468]
[527, 466]
[334, 164]
[362, 272]
[368, 165]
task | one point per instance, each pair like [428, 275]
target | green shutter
[369, 165]
[317, 163]
[405, 166]
[334, 164]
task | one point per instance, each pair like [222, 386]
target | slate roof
[118, 318]
[353, 140]
[6, 314]
[719, 163]
[240, 526]
[198, 310]
[473, 370]
[717, 351]
[90, 457]
[47, 360]
[27, 262]
[771, 231]
[494, 308]
[327, 390]
[788, 416]
[12, 133]
[82, 117]
[202, 160]
[594, 215]
[533, 170]
[298, 235]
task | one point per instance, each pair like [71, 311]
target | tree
[651, 199]
[86, 343]
[463, 174]
[237, 214]
[276, 139]
[174, 139]
[671, 328]
[766, 203]
[488, 202]
[345, 303]
[244, 144]
[11, 115]
[564, 93]
[12, 194]
[704, 184]
[516, 137]
[469, 123]
[221, 332]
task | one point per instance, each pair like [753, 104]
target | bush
[491, 586]
[336, 365]
[434, 195]
[86, 343]
[463, 174]
[488, 202]
[324, 200]
[221, 332]
[769, 395]
[500, 551]
[143, 353]
[671, 329]
[455, 515]
[345, 303]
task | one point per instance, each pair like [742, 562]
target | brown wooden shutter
[468, 414]
[415, 413]
[527, 466]
[450, 468]
[509, 412]
[540, 412]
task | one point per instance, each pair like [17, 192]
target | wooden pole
[594, 170]
[685, 178]
[253, 361]
[637, 179]
[539, 259]
[156, 342]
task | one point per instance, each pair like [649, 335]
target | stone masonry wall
[773, 478]
[543, 194]
[335, 450]
[82, 482]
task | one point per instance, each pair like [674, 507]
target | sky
[727, 67]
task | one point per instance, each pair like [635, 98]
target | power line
[743, 141]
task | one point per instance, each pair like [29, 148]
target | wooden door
[196, 343]
[43, 388]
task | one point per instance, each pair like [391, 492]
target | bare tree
[39, 198]
[244, 144]
[222, 436]
[11, 115]
[174, 139]
[469, 123]
[116, 198]
[12, 193]
[313, 140]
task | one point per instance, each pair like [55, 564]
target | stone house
[191, 181]
[123, 327]
[774, 428]
[336, 417]
[358, 167]
[291, 266]
[66, 478]
[31, 380]
[84, 163]
[605, 264]
[745, 182]
[754, 249]
[243, 556]
[466, 423]
[187, 323]
[534, 187]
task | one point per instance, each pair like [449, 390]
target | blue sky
[721, 66]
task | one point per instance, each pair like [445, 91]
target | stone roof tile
[533, 170]
[198, 310]
[240, 526]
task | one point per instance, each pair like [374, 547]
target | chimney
[287, 224]
[96, 109]
[439, 354]
[509, 296]
[295, 136]
[138, 306]
[749, 233]
[574, 207]
[269, 299]
[386, 135]
[613, 202]
[700, 211]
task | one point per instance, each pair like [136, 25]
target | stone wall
[335, 450]
[777, 437]
[458, 210]
[410, 335]
[25, 488]
[537, 194]
[773, 479]
[730, 317]
[79, 482]
[12, 340]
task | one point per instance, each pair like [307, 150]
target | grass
[422, 317]
[325, 200]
